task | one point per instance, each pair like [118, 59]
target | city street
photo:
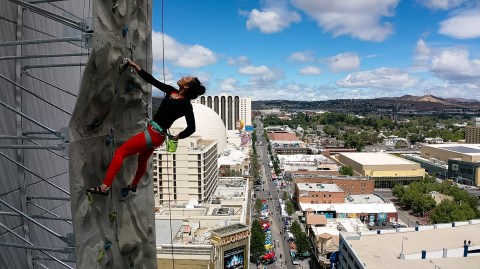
[272, 194]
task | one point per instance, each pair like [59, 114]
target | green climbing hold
[112, 216]
[100, 255]
[124, 31]
[89, 198]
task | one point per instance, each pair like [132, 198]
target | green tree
[258, 206]
[449, 211]
[296, 229]
[346, 170]
[289, 208]
[302, 243]
[285, 196]
[354, 141]
[257, 241]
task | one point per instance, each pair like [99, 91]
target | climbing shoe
[98, 190]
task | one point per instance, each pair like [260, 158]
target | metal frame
[37, 254]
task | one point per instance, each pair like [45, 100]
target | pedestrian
[176, 104]
[469, 242]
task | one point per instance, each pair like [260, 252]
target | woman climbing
[176, 104]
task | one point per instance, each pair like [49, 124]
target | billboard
[234, 258]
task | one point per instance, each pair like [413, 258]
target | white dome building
[208, 125]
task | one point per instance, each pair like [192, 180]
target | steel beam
[35, 174]
[33, 247]
[47, 14]
[28, 137]
[54, 147]
[61, 237]
[32, 197]
[28, 242]
[26, 67]
[41, 41]
[49, 84]
[38, 56]
[30, 119]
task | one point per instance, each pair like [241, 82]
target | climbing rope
[168, 173]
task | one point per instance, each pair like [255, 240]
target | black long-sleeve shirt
[171, 109]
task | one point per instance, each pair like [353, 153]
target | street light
[436, 267]
[403, 238]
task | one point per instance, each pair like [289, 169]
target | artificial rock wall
[111, 107]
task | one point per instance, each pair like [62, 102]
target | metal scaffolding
[47, 139]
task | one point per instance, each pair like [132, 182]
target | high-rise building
[190, 174]
[192, 171]
[232, 109]
[472, 134]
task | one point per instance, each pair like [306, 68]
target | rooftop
[228, 230]
[467, 149]
[376, 158]
[351, 208]
[318, 187]
[375, 251]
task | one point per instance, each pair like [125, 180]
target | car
[296, 262]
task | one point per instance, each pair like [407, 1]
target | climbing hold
[107, 245]
[129, 87]
[123, 66]
[112, 216]
[124, 31]
[89, 198]
[100, 255]
[114, 8]
[126, 194]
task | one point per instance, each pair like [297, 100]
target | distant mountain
[402, 104]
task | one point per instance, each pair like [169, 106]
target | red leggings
[135, 145]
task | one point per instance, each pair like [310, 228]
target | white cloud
[380, 78]
[454, 65]
[188, 56]
[302, 56]
[310, 70]
[359, 19]
[421, 57]
[240, 61]
[462, 26]
[441, 4]
[253, 70]
[344, 62]
[273, 17]
[228, 85]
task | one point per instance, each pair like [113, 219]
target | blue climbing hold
[124, 31]
[107, 245]
[129, 87]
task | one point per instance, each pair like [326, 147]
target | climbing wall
[111, 107]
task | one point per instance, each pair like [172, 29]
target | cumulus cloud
[240, 61]
[188, 56]
[380, 78]
[253, 70]
[302, 56]
[228, 85]
[421, 56]
[273, 17]
[455, 65]
[464, 25]
[344, 62]
[310, 70]
[359, 19]
[441, 4]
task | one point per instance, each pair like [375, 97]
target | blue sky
[321, 49]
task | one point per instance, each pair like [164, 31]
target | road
[272, 193]
[403, 216]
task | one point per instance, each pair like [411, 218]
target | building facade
[472, 134]
[319, 193]
[233, 110]
[350, 185]
[188, 175]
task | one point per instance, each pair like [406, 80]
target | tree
[285, 196]
[289, 207]
[354, 141]
[257, 240]
[296, 229]
[258, 206]
[346, 170]
[302, 243]
[398, 191]
[449, 211]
